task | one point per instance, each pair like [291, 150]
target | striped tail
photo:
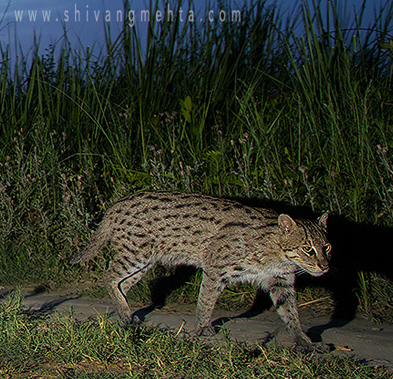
[99, 239]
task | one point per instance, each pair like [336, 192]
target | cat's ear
[322, 221]
[286, 223]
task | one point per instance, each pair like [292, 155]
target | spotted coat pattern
[229, 241]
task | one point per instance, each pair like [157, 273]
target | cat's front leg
[282, 292]
[210, 290]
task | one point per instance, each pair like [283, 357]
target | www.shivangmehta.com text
[131, 17]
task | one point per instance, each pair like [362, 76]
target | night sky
[84, 20]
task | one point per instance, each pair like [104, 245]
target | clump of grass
[42, 206]
[375, 297]
[99, 348]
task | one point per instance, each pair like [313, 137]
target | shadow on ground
[357, 247]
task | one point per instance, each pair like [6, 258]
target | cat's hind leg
[119, 278]
[210, 290]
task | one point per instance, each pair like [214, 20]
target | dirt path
[366, 341]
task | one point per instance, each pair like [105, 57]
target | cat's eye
[326, 249]
[309, 250]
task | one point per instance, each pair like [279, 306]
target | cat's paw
[135, 320]
[305, 347]
[206, 331]
[321, 348]
[127, 324]
[130, 321]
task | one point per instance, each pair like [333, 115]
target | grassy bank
[293, 111]
[58, 347]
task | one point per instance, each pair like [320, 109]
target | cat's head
[304, 242]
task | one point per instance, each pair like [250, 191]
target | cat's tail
[98, 240]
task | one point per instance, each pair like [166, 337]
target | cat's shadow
[356, 247]
[161, 288]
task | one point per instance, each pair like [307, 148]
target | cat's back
[176, 208]
[176, 227]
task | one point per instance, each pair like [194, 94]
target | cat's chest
[261, 275]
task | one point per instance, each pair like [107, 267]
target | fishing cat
[231, 242]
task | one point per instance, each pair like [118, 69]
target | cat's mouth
[319, 271]
[314, 271]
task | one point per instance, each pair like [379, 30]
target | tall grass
[297, 110]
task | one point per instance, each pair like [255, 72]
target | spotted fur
[230, 242]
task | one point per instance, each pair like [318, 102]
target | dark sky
[84, 19]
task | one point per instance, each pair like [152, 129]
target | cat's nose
[323, 266]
